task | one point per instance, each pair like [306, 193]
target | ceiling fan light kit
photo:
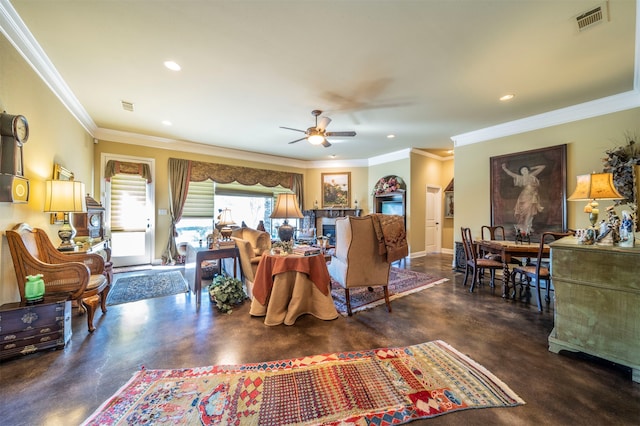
[318, 135]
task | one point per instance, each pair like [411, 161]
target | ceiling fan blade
[323, 123]
[326, 144]
[297, 140]
[295, 130]
[340, 133]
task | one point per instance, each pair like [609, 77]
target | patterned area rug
[139, 287]
[401, 283]
[379, 386]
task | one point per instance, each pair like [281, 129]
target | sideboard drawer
[26, 328]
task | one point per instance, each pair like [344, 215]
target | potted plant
[226, 292]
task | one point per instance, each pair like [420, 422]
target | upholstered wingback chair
[251, 244]
[77, 276]
[357, 261]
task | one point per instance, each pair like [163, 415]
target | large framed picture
[528, 191]
[336, 189]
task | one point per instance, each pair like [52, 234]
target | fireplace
[325, 220]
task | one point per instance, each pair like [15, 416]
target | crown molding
[111, 135]
[15, 30]
[608, 105]
[431, 155]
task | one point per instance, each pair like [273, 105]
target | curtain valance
[114, 167]
[223, 173]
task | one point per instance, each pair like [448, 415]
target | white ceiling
[423, 70]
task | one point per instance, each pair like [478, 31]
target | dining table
[287, 287]
[508, 250]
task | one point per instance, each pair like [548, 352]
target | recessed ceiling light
[173, 66]
[167, 123]
[507, 97]
[332, 156]
[391, 136]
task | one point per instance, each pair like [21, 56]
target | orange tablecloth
[269, 266]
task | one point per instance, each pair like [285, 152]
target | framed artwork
[336, 189]
[448, 204]
[529, 191]
[59, 173]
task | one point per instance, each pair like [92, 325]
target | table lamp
[592, 187]
[286, 208]
[225, 221]
[66, 196]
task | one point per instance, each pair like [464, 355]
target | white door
[433, 230]
[129, 219]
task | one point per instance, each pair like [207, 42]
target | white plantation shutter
[128, 193]
[199, 202]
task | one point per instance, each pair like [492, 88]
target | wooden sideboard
[597, 301]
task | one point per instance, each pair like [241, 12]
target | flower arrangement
[620, 161]
[285, 246]
[226, 292]
[387, 184]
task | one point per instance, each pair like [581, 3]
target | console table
[597, 301]
[28, 328]
[193, 265]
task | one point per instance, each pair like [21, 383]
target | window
[248, 204]
[198, 212]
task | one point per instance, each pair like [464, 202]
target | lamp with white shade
[66, 196]
[286, 208]
[226, 221]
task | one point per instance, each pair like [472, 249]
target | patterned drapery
[114, 167]
[181, 172]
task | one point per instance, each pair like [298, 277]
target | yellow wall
[587, 141]
[54, 137]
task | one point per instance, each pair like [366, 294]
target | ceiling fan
[318, 135]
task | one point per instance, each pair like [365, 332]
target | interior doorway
[129, 208]
[433, 220]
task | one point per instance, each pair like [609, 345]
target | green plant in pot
[226, 292]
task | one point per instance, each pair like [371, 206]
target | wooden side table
[28, 328]
[193, 270]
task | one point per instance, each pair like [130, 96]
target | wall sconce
[66, 196]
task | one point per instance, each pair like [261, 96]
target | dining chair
[475, 263]
[539, 271]
[493, 232]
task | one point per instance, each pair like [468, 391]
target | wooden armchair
[79, 277]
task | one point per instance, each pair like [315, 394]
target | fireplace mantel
[324, 217]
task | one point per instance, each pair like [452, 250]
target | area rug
[379, 386]
[147, 286]
[402, 282]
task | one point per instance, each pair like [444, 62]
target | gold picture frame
[60, 173]
[336, 189]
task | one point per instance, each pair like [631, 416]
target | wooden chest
[597, 301]
[25, 329]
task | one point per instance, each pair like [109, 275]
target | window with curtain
[198, 213]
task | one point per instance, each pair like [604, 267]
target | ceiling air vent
[127, 106]
[592, 17]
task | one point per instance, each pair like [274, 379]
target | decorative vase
[34, 288]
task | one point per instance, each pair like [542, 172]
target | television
[392, 207]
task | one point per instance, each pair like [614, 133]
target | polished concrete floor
[509, 338]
